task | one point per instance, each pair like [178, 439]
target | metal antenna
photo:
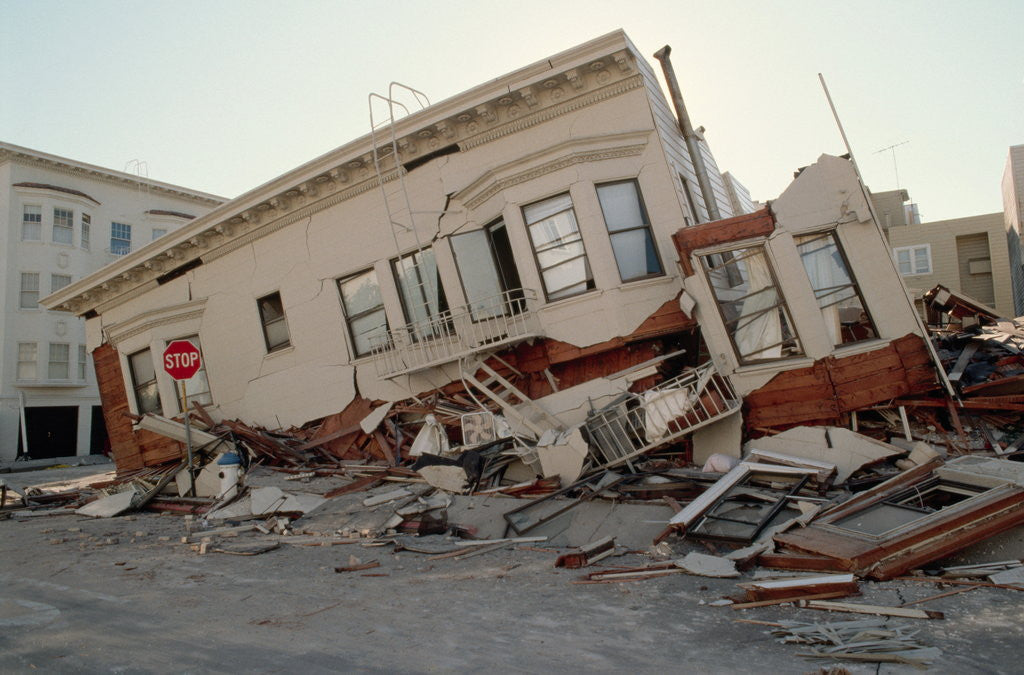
[895, 168]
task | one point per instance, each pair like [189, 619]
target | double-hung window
[32, 223]
[27, 361]
[86, 227]
[82, 362]
[63, 226]
[143, 374]
[914, 260]
[752, 307]
[29, 298]
[59, 367]
[364, 313]
[275, 327]
[423, 298]
[842, 306]
[198, 386]
[629, 230]
[120, 238]
[59, 281]
[558, 245]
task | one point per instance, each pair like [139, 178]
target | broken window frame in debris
[694, 517]
[363, 342]
[625, 216]
[545, 216]
[140, 364]
[424, 303]
[788, 344]
[834, 288]
[272, 316]
[501, 293]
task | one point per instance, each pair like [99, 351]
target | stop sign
[182, 359]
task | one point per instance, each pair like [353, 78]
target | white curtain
[755, 334]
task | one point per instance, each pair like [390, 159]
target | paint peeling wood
[687, 240]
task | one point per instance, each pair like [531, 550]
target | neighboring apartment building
[966, 255]
[62, 220]
[1013, 221]
[543, 223]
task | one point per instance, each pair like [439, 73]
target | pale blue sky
[223, 95]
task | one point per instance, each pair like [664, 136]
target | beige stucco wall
[941, 237]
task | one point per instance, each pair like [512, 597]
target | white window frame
[35, 224]
[912, 259]
[83, 357]
[63, 226]
[84, 239]
[62, 361]
[29, 297]
[28, 361]
[124, 243]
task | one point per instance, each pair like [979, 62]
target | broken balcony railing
[635, 424]
[455, 333]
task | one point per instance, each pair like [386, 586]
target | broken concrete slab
[110, 506]
[563, 455]
[704, 565]
[848, 450]
[449, 478]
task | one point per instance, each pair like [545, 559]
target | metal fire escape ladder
[423, 283]
[507, 396]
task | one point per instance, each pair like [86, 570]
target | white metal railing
[638, 423]
[458, 332]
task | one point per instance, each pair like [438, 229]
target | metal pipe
[689, 135]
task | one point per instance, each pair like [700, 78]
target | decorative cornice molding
[7, 154]
[551, 113]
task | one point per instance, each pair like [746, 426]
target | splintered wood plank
[874, 610]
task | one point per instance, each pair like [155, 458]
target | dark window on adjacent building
[275, 328]
[558, 246]
[143, 374]
[364, 312]
[629, 230]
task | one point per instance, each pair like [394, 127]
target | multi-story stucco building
[61, 220]
[549, 224]
[1013, 221]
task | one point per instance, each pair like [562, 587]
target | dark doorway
[52, 431]
[99, 443]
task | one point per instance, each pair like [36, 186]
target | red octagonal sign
[182, 359]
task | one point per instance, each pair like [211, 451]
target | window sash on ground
[842, 306]
[629, 230]
[363, 307]
[754, 311]
[63, 226]
[28, 366]
[558, 247]
[275, 327]
[32, 223]
[59, 364]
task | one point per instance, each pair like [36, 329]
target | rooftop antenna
[895, 168]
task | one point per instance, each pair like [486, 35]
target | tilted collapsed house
[533, 242]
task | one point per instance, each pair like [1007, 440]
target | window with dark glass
[753, 309]
[629, 230]
[275, 328]
[488, 272]
[839, 298]
[364, 312]
[143, 373]
[558, 246]
[120, 238]
[423, 299]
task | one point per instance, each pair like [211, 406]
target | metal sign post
[182, 361]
